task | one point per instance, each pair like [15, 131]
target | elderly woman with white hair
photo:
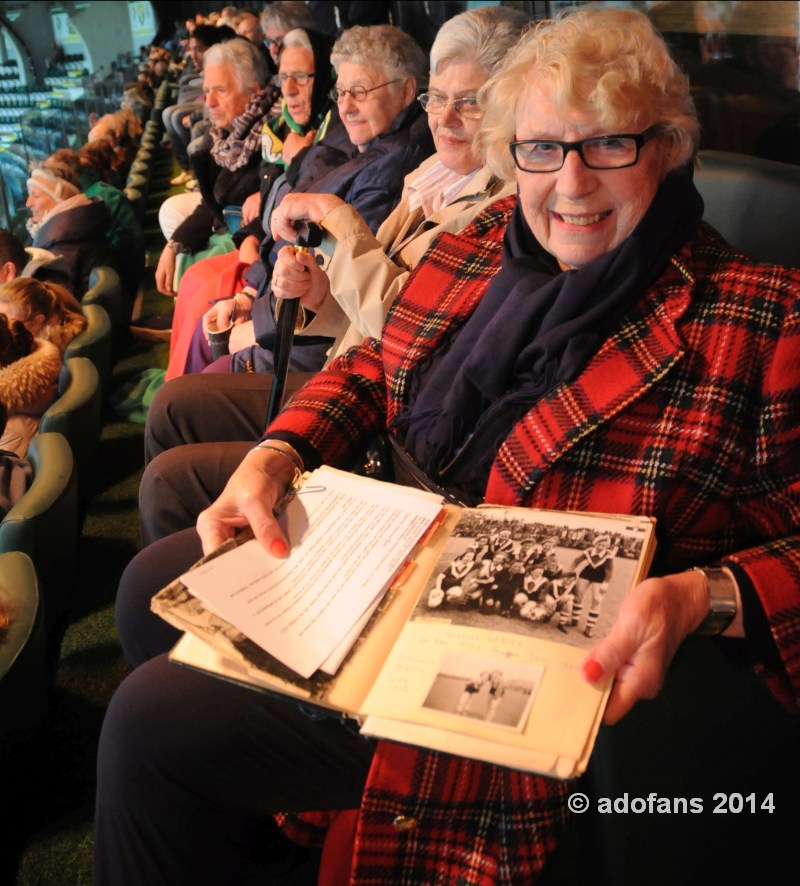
[238, 98]
[67, 223]
[592, 345]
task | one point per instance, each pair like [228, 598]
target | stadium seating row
[39, 536]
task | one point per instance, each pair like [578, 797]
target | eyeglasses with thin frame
[467, 108]
[300, 78]
[357, 93]
[271, 41]
[616, 151]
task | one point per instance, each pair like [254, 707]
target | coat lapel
[448, 286]
[628, 364]
[477, 188]
[412, 222]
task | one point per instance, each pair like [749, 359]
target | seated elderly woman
[378, 137]
[124, 232]
[50, 317]
[238, 99]
[305, 79]
[593, 345]
[67, 223]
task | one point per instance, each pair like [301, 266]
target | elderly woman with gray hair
[238, 99]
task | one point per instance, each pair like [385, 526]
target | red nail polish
[593, 671]
[278, 547]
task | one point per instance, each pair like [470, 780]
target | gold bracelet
[294, 483]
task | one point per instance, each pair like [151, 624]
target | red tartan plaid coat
[689, 413]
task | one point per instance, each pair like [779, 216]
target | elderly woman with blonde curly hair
[590, 345]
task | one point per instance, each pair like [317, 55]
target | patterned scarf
[233, 150]
[535, 328]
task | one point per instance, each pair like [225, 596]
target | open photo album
[456, 629]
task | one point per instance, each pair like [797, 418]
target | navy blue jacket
[370, 181]
[78, 235]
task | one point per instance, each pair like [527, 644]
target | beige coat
[367, 271]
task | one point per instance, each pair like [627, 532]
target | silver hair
[285, 15]
[483, 35]
[384, 46]
[245, 58]
[297, 37]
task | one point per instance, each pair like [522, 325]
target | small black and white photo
[491, 690]
[561, 581]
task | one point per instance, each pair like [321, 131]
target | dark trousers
[191, 767]
[199, 428]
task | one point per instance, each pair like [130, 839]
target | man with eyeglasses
[365, 113]
[296, 86]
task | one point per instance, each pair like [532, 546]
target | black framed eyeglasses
[467, 108]
[300, 78]
[357, 93]
[599, 152]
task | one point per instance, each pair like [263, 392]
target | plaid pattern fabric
[689, 413]
[432, 818]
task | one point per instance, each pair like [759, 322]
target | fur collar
[61, 334]
[29, 384]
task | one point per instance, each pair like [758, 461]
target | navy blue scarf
[535, 328]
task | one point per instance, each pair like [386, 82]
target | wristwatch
[721, 601]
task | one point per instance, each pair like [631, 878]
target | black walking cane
[308, 236]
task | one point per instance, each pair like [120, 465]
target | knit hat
[56, 187]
